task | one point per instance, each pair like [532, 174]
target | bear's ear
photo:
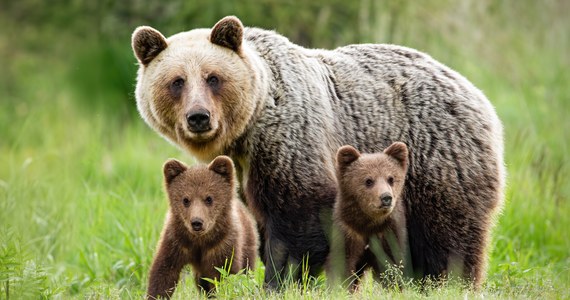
[398, 151]
[228, 32]
[224, 166]
[147, 43]
[346, 155]
[173, 168]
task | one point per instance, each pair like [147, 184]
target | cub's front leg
[202, 284]
[166, 267]
[356, 261]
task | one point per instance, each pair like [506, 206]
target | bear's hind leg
[474, 265]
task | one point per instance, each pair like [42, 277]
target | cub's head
[373, 182]
[197, 88]
[202, 195]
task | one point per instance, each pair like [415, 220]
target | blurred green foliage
[90, 38]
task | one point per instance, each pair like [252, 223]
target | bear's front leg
[276, 255]
[165, 270]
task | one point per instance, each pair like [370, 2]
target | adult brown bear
[281, 111]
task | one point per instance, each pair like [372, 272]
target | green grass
[81, 198]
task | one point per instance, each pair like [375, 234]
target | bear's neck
[262, 77]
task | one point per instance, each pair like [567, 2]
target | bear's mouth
[382, 210]
[195, 137]
[196, 233]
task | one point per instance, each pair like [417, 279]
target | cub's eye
[369, 182]
[208, 200]
[186, 202]
[391, 181]
[213, 81]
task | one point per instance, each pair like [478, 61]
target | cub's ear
[398, 151]
[147, 43]
[224, 166]
[228, 32]
[346, 155]
[173, 168]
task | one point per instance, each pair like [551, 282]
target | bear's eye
[208, 200]
[186, 202]
[369, 182]
[213, 81]
[176, 86]
[178, 83]
[391, 181]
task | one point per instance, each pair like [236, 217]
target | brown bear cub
[369, 205]
[206, 226]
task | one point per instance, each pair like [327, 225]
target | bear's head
[199, 89]
[200, 196]
[372, 183]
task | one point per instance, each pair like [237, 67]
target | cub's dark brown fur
[205, 227]
[369, 205]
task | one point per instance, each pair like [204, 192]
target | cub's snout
[386, 200]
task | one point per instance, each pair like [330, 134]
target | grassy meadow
[81, 197]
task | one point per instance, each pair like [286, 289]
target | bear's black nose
[198, 120]
[386, 199]
[196, 224]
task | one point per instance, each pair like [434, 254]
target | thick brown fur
[281, 112]
[206, 227]
[369, 205]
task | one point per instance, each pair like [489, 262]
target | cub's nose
[197, 224]
[198, 120]
[386, 199]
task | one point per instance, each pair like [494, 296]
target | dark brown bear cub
[369, 204]
[206, 226]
